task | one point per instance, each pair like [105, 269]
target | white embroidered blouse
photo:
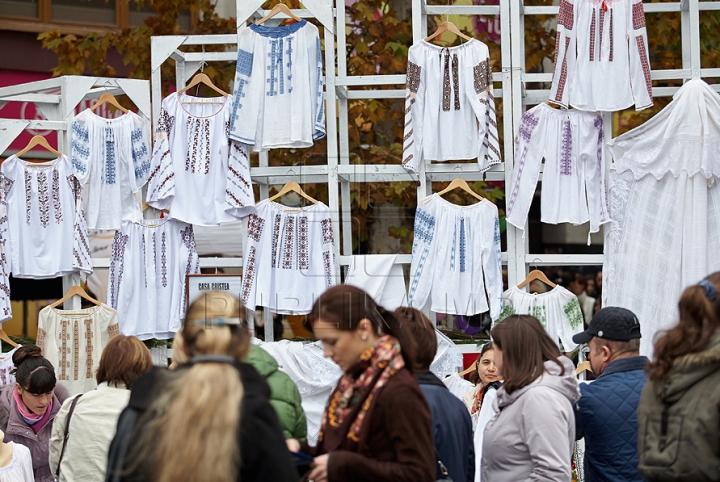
[197, 173]
[449, 105]
[571, 142]
[278, 94]
[601, 56]
[453, 246]
[289, 258]
[112, 156]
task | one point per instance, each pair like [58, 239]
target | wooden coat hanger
[108, 98]
[38, 141]
[4, 337]
[536, 274]
[280, 7]
[75, 290]
[292, 186]
[582, 367]
[460, 183]
[469, 369]
[447, 26]
[201, 79]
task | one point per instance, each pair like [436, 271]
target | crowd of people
[224, 412]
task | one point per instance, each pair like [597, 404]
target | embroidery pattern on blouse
[28, 196]
[566, 147]
[110, 161]
[540, 312]
[236, 176]
[566, 18]
[80, 147]
[144, 260]
[456, 81]
[600, 37]
[598, 123]
[166, 122]
[462, 245]
[139, 152]
[644, 61]
[574, 313]
[88, 348]
[64, 349]
[593, 34]
[327, 263]
[638, 15]
[197, 158]
[113, 330]
[255, 227]
[446, 81]
[249, 274]
[413, 77]
[480, 80]
[188, 238]
[56, 196]
[40, 341]
[612, 39]
[288, 231]
[76, 354]
[528, 123]
[327, 231]
[116, 272]
[163, 259]
[43, 198]
[276, 240]
[424, 232]
[563, 73]
[304, 259]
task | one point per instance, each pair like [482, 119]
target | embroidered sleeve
[639, 60]
[239, 197]
[40, 341]
[256, 226]
[81, 244]
[140, 155]
[492, 263]
[422, 264]
[245, 106]
[319, 81]
[572, 323]
[595, 176]
[529, 152]
[5, 186]
[161, 180]
[565, 56]
[484, 107]
[117, 268]
[80, 150]
[328, 252]
[414, 104]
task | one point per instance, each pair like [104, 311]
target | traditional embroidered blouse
[601, 56]
[47, 235]
[453, 246]
[7, 368]
[73, 342]
[558, 310]
[278, 96]
[449, 105]
[289, 260]
[571, 142]
[112, 156]
[197, 173]
[148, 268]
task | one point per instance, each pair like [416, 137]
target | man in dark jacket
[606, 412]
[452, 427]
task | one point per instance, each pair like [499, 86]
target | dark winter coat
[606, 416]
[264, 454]
[452, 428]
[16, 430]
[284, 394]
[687, 399]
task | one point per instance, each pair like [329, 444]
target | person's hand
[319, 472]
[293, 445]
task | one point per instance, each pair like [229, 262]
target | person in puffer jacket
[606, 413]
[284, 394]
[533, 435]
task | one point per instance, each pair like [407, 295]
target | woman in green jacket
[678, 416]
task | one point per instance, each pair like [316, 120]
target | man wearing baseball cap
[605, 415]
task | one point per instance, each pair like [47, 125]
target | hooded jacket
[16, 430]
[284, 394]
[533, 435]
[689, 395]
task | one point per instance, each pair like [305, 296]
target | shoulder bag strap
[67, 433]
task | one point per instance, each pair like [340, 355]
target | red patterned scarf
[358, 385]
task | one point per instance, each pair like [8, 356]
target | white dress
[148, 270]
[449, 105]
[289, 258]
[558, 311]
[665, 204]
[47, 234]
[73, 342]
[601, 56]
[7, 368]
[112, 156]
[20, 468]
[571, 142]
[197, 173]
[278, 94]
[452, 248]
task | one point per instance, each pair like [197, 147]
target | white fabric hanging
[380, 277]
[665, 205]
[487, 412]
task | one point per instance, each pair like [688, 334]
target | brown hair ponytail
[699, 309]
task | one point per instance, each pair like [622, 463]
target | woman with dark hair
[377, 425]
[28, 408]
[484, 376]
[94, 418]
[209, 419]
[678, 415]
[533, 435]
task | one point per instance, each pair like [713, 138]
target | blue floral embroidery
[109, 156]
[79, 147]
[272, 80]
[462, 245]
[244, 63]
[289, 63]
[141, 159]
[424, 226]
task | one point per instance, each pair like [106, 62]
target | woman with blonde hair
[210, 419]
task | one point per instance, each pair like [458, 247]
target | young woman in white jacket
[532, 436]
